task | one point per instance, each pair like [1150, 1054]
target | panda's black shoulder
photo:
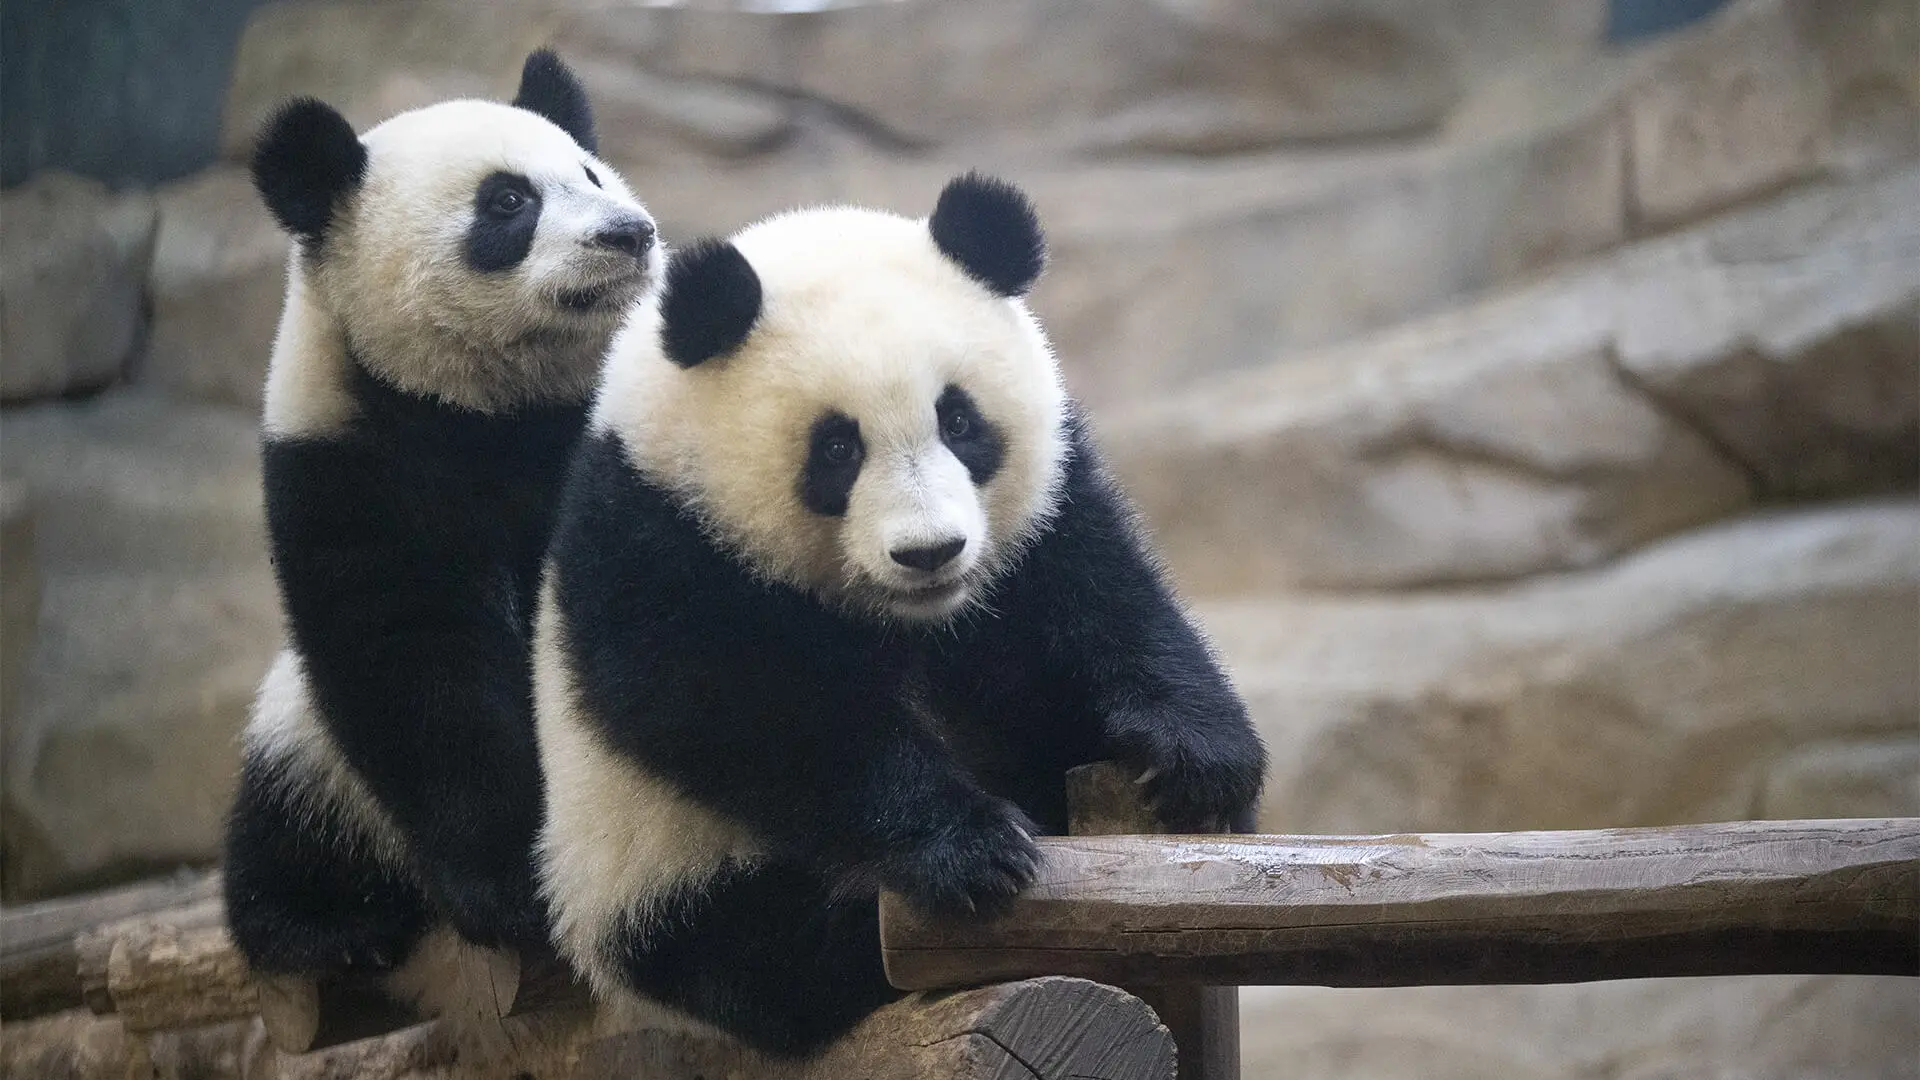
[1093, 540]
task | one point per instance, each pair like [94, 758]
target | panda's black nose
[929, 558]
[633, 236]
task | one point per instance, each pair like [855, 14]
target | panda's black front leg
[861, 793]
[1114, 628]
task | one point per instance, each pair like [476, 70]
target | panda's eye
[507, 202]
[839, 450]
[956, 425]
[590, 177]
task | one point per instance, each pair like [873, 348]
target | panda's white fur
[618, 844]
[394, 287]
[865, 314]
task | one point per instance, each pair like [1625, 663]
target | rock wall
[1535, 424]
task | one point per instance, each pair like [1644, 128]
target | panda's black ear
[990, 229]
[549, 88]
[709, 302]
[306, 159]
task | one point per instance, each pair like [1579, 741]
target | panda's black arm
[417, 656]
[1112, 624]
[756, 701]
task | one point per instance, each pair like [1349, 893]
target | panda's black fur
[407, 556]
[406, 533]
[866, 753]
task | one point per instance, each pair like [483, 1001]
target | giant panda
[455, 277]
[839, 590]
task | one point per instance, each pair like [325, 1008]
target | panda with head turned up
[457, 274]
[839, 591]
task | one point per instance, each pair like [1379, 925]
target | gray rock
[371, 59]
[1145, 75]
[1735, 672]
[19, 589]
[1770, 93]
[218, 279]
[1768, 355]
[158, 619]
[73, 266]
[1759, 1028]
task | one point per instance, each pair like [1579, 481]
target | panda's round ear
[709, 302]
[307, 157]
[549, 88]
[989, 228]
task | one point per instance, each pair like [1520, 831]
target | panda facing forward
[456, 277]
[839, 591]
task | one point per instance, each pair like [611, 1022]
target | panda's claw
[973, 867]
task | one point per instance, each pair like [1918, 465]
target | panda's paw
[1202, 786]
[489, 911]
[973, 866]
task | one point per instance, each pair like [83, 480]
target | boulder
[1769, 355]
[1785, 1027]
[371, 59]
[158, 618]
[73, 267]
[1769, 93]
[1761, 668]
[218, 279]
[1143, 76]
[19, 589]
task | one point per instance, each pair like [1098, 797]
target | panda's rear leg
[302, 901]
[767, 956]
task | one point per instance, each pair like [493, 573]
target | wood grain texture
[1039, 1029]
[38, 972]
[1778, 897]
[1104, 800]
[166, 970]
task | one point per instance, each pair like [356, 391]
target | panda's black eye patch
[969, 435]
[834, 455]
[506, 213]
[594, 180]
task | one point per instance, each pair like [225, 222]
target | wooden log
[1762, 897]
[167, 970]
[1052, 1029]
[1047, 1028]
[77, 1045]
[179, 968]
[1104, 800]
[38, 972]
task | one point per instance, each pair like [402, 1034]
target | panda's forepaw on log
[1201, 786]
[974, 866]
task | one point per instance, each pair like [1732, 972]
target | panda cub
[457, 274]
[839, 591]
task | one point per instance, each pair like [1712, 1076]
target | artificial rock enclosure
[1534, 423]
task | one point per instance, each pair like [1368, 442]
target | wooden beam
[1103, 800]
[1760, 897]
[38, 972]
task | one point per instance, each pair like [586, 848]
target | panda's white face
[486, 257]
[887, 435]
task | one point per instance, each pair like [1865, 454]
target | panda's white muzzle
[915, 528]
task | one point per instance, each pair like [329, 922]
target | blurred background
[1526, 393]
